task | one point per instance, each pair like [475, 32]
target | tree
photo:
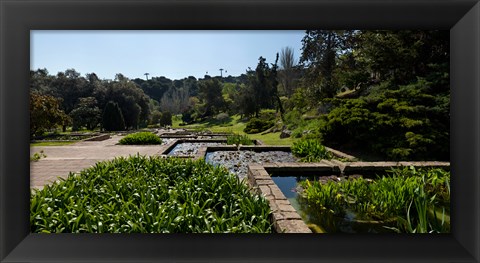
[175, 100]
[86, 114]
[261, 90]
[210, 92]
[287, 72]
[45, 113]
[155, 117]
[273, 82]
[40, 81]
[402, 56]
[69, 86]
[166, 119]
[320, 49]
[131, 100]
[112, 118]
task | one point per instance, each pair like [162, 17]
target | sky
[175, 54]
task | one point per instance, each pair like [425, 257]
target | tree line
[381, 91]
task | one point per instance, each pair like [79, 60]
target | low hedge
[149, 195]
[140, 138]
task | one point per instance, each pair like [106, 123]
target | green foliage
[140, 138]
[166, 119]
[239, 139]
[319, 54]
[112, 118]
[149, 195]
[38, 156]
[388, 198]
[255, 125]
[131, 100]
[210, 93]
[45, 113]
[310, 150]
[86, 114]
[187, 117]
[399, 123]
[155, 117]
[260, 91]
[223, 117]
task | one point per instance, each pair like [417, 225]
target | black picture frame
[461, 17]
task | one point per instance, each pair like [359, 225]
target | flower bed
[149, 195]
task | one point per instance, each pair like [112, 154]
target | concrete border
[211, 148]
[284, 217]
[340, 154]
[101, 137]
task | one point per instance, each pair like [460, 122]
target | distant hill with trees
[381, 92]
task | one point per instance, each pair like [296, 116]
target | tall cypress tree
[112, 118]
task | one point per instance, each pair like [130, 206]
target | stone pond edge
[285, 218]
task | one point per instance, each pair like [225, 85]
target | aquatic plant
[239, 139]
[389, 197]
[310, 150]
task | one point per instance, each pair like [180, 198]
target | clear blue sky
[173, 54]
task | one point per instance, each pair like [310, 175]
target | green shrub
[222, 117]
[166, 119]
[255, 125]
[112, 118]
[267, 115]
[155, 117]
[397, 122]
[310, 150]
[239, 139]
[140, 138]
[149, 195]
[187, 117]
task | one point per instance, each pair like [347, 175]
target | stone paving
[61, 160]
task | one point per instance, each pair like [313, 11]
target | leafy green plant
[425, 217]
[310, 150]
[142, 194]
[418, 200]
[140, 138]
[37, 156]
[239, 139]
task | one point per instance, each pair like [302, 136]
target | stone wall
[284, 217]
[98, 138]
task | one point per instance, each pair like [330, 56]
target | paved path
[61, 160]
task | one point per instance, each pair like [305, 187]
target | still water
[321, 221]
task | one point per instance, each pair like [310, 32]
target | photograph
[240, 131]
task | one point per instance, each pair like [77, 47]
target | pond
[237, 161]
[190, 148]
[320, 220]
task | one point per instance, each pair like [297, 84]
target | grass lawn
[52, 143]
[234, 125]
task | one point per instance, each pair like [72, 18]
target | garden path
[61, 160]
